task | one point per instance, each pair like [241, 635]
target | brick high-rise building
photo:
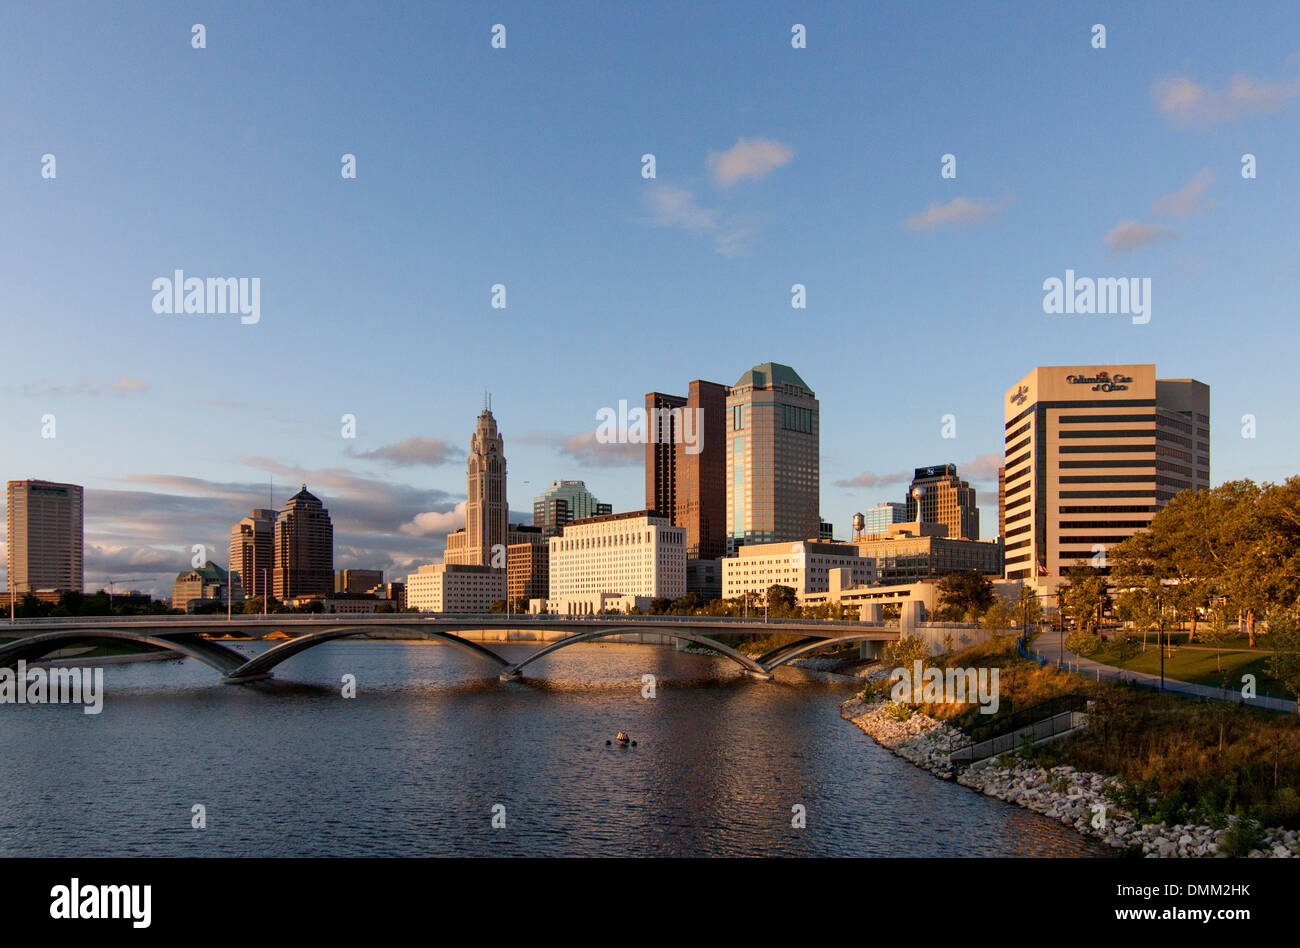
[46, 537]
[946, 499]
[304, 548]
[686, 464]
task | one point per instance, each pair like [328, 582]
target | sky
[523, 166]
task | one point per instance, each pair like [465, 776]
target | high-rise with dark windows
[686, 465]
[304, 548]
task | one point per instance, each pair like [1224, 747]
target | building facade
[637, 554]
[564, 502]
[442, 587]
[207, 583]
[804, 566]
[915, 552]
[487, 512]
[252, 551]
[772, 431]
[880, 518]
[529, 569]
[944, 498]
[1092, 452]
[357, 581]
[304, 548]
[46, 538]
[686, 464]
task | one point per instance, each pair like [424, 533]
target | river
[433, 747]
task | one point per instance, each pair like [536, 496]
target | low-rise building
[911, 552]
[803, 566]
[207, 583]
[452, 587]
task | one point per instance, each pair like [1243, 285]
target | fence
[1047, 719]
[1183, 689]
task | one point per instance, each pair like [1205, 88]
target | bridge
[191, 636]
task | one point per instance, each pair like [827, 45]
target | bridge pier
[246, 679]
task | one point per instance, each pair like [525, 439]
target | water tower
[917, 494]
[859, 524]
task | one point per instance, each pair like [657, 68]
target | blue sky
[522, 166]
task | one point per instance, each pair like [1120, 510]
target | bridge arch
[261, 665]
[788, 653]
[744, 661]
[187, 645]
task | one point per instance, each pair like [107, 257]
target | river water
[433, 749]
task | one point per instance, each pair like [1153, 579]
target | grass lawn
[1201, 667]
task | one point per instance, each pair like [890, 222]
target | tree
[964, 595]
[904, 650]
[781, 600]
[1084, 598]
[1217, 634]
[997, 617]
[1284, 636]
[1028, 609]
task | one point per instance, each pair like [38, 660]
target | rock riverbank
[1073, 797]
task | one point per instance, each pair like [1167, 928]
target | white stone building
[804, 567]
[616, 560]
[442, 587]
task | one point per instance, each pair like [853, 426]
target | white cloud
[435, 522]
[749, 158]
[1187, 200]
[957, 212]
[1187, 102]
[676, 207]
[1130, 235]
[585, 449]
[411, 452]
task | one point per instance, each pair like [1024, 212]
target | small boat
[622, 737]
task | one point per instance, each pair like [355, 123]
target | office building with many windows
[773, 461]
[46, 536]
[1092, 452]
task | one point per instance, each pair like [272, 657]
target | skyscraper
[252, 548]
[772, 430]
[1092, 454]
[487, 511]
[564, 502]
[304, 548]
[946, 499]
[46, 536]
[686, 464]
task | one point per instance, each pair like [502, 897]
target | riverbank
[1081, 800]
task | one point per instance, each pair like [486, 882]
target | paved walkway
[1046, 647]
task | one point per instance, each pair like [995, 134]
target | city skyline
[363, 279]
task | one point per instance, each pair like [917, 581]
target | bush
[899, 711]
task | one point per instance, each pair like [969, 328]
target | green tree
[1027, 610]
[1217, 633]
[997, 617]
[1284, 637]
[1084, 597]
[964, 595]
[781, 600]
